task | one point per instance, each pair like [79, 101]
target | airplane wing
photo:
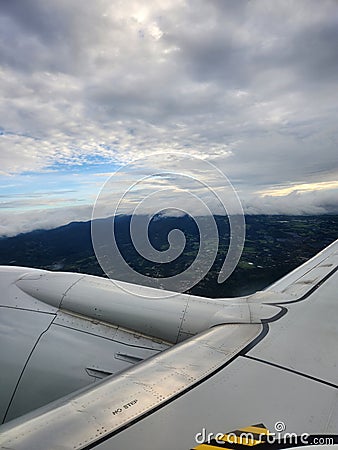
[279, 374]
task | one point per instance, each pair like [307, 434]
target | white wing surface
[281, 372]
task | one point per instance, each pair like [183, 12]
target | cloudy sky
[249, 86]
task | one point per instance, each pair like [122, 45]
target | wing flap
[87, 416]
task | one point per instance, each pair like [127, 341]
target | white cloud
[247, 85]
[12, 224]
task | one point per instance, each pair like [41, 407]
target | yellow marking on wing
[242, 440]
[209, 447]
